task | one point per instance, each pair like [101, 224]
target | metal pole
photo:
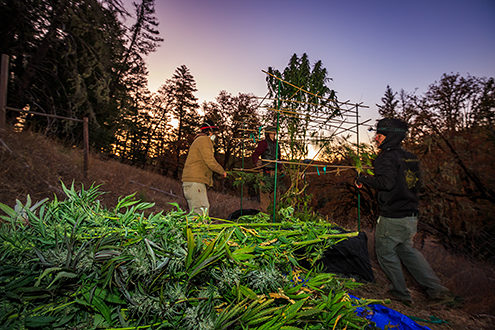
[242, 166]
[276, 158]
[358, 155]
[4, 74]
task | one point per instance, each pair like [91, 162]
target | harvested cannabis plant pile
[74, 264]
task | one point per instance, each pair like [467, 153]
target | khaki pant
[394, 244]
[196, 196]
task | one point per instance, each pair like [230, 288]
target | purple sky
[364, 44]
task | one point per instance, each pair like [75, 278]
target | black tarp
[236, 214]
[349, 258]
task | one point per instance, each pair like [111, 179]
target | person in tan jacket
[198, 169]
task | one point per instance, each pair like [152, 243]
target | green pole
[242, 166]
[276, 156]
[359, 211]
[358, 193]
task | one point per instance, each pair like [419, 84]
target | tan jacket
[200, 162]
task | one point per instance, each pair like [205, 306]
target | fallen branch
[5, 146]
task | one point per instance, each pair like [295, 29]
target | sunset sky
[365, 45]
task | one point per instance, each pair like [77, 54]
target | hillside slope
[32, 164]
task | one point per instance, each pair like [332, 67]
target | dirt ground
[32, 164]
[471, 280]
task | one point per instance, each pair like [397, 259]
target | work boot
[446, 298]
[405, 299]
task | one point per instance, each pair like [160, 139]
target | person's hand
[357, 184]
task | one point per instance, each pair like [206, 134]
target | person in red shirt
[266, 149]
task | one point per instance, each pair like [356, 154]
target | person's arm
[260, 149]
[385, 174]
[206, 150]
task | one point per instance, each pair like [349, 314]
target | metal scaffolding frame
[347, 123]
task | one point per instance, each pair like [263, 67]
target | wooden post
[4, 74]
[86, 146]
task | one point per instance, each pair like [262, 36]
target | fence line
[44, 114]
[4, 69]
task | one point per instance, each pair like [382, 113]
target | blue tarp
[386, 317]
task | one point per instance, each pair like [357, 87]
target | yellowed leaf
[337, 321]
[269, 242]
[249, 231]
[280, 295]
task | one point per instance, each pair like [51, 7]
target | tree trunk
[177, 145]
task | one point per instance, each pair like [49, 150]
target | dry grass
[118, 179]
[471, 280]
[32, 164]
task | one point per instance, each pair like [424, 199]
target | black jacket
[397, 179]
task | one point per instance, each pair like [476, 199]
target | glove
[357, 182]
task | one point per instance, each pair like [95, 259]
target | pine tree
[179, 92]
[390, 105]
[130, 83]
[141, 39]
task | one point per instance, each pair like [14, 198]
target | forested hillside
[87, 58]
[33, 165]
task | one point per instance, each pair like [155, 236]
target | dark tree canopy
[76, 59]
[238, 120]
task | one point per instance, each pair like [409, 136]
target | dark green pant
[394, 244]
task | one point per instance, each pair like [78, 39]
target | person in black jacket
[397, 180]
